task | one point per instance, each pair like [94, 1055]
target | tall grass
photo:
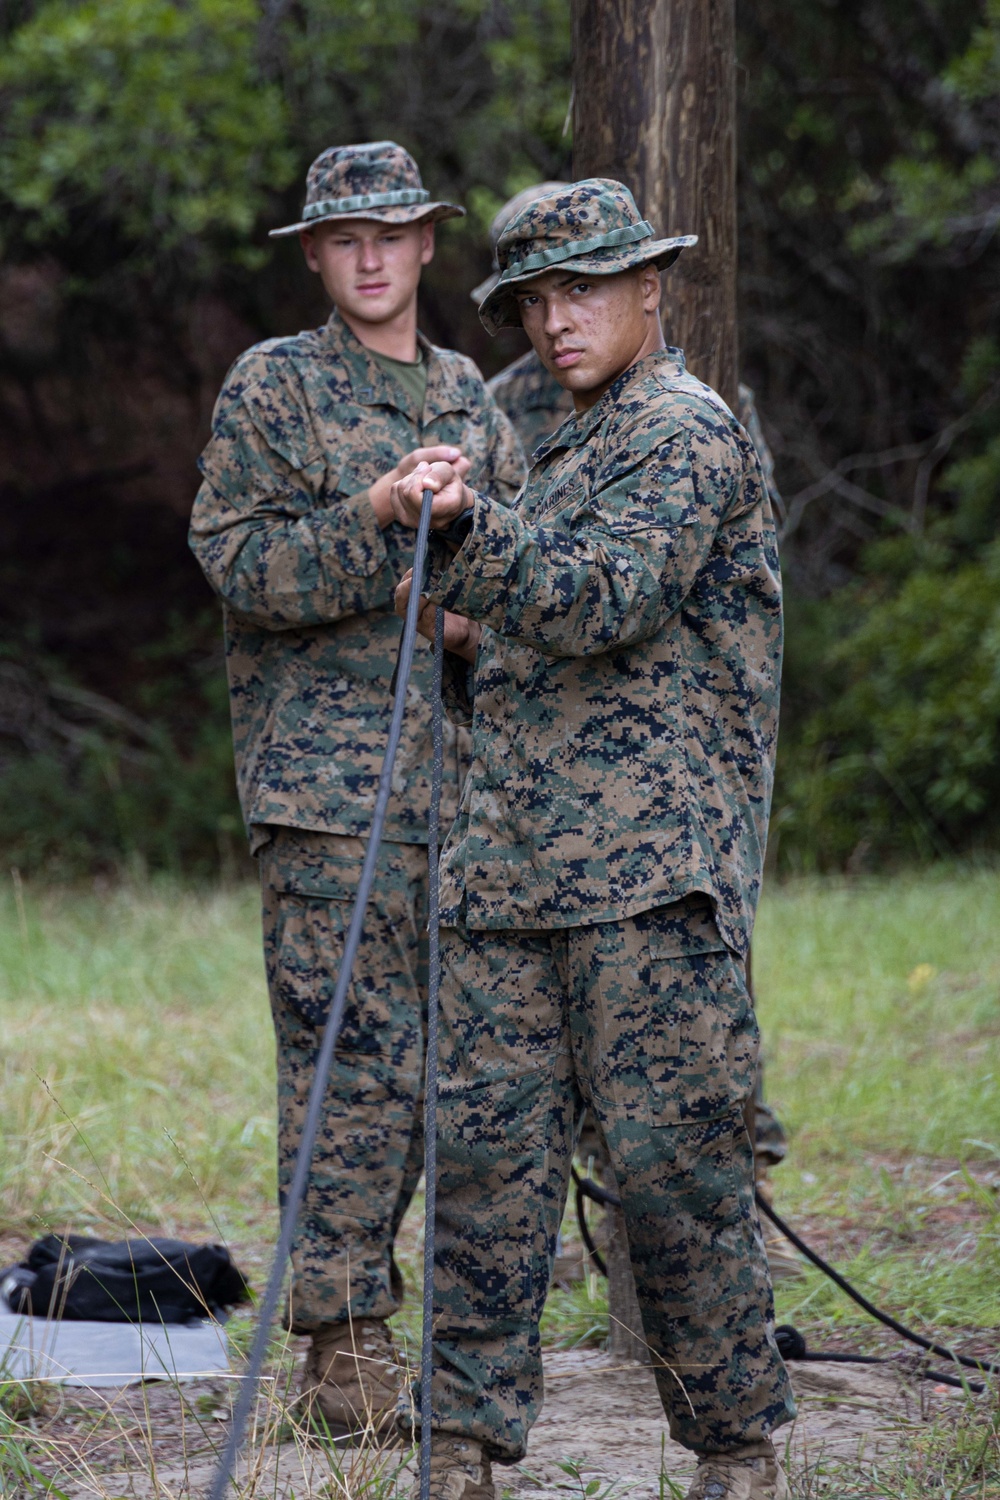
[138, 1082]
[138, 1079]
[880, 1006]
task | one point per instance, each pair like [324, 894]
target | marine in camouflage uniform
[600, 883]
[286, 531]
[536, 404]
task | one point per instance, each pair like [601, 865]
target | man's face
[587, 330]
[370, 270]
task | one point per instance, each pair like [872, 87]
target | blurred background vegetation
[146, 146]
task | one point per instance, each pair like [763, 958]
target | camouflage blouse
[286, 535]
[626, 688]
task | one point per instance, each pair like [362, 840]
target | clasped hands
[451, 498]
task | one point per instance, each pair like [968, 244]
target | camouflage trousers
[648, 1024]
[369, 1154]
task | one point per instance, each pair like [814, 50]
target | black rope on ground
[984, 1367]
[791, 1344]
[317, 1092]
[431, 1069]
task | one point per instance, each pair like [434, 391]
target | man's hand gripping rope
[451, 499]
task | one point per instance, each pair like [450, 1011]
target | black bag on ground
[125, 1281]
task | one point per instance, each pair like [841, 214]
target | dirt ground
[158, 1441]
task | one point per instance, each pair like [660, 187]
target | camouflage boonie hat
[376, 180]
[593, 226]
[502, 218]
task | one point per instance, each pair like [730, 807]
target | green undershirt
[410, 374]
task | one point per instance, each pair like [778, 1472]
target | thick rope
[983, 1366]
[431, 1070]
[314, 1113]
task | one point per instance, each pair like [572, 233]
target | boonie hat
[376, 180]
[502, 218]
[592, 226]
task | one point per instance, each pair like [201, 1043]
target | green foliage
[935, 200]
[896, 750]
[903, 754]
[102, 803]
[150, 117]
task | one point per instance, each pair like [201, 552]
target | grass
[138, 1074]
[137, 1089]
[880, 1006]
[879, 1003]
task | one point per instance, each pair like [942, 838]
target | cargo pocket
[702, 1060]
[309, 953]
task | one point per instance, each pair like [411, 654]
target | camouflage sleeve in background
[532, 399]
[268, 545]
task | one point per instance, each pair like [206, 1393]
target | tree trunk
[654, 104]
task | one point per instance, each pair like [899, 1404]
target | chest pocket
[283, 426]
[287, 431]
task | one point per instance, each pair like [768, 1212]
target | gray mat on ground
[109, 1354]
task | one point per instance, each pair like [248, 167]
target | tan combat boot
[749, 1473]
[350, 1383]
[460, 1470]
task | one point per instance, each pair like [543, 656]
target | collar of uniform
[578, 430]
[372, 386]
[448, 386]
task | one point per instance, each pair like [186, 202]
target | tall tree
[654, 104]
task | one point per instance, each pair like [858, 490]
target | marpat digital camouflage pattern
[602, 878]
[626, 688]
[369, 1153]
[648, 1023]
[287, 537]
[372, 180]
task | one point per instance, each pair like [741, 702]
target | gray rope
[300, 1177]
[431, 1074]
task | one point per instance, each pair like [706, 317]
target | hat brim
[407, 213]
[499, 307]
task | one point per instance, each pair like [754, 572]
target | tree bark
[654, 104]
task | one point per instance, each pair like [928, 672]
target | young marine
[535, 404]
[616, 639]
[294, 529]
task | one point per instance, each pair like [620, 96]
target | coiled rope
[296, 1192]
